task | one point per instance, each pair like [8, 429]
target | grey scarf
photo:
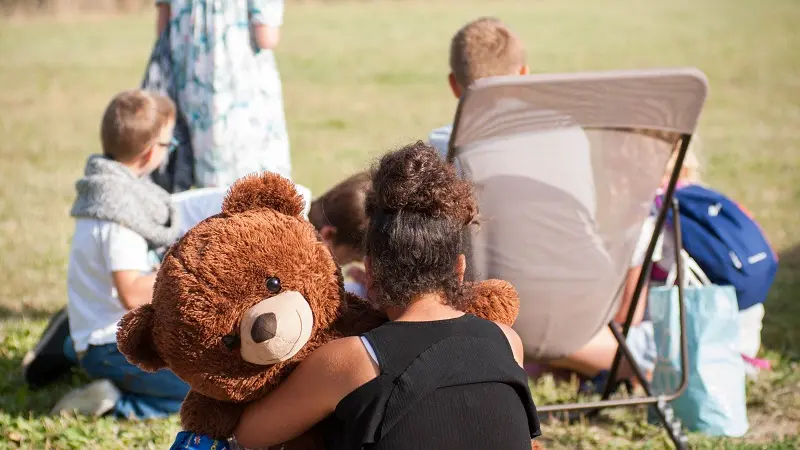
[110, 191]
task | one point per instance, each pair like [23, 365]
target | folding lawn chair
[565, 170]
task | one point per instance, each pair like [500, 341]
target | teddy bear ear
[266, 190]
[135, 339]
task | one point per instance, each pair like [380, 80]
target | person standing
[227, 86]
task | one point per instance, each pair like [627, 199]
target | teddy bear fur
[218, 270]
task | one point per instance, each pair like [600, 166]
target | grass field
[360, 78]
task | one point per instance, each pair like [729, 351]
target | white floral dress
[228, 91]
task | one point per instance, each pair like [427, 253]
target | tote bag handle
[693, 274]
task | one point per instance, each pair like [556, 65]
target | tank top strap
[376, 343]
[370, 350]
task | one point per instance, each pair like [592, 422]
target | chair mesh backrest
[565, 169]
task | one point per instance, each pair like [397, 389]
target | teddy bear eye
[231, 341]
[273, 285]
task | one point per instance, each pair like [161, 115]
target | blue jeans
[145, 395]
[642, 343]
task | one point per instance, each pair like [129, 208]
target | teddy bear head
[240, 298]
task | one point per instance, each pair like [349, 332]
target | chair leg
[663, 409]
[672, 424]
[644, 276]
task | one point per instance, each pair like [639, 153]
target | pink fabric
[658, 273]
[660, 192]
[756, 362]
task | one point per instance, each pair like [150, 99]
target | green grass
[360, 78]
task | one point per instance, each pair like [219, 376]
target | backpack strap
[456, 361]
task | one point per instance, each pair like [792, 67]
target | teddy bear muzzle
[276, 328]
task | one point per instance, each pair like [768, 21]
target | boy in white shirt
[120, 216]
[484, 48]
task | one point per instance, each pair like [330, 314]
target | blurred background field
[361, 77]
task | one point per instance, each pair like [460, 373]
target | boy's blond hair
[132, 122]
[482, 48]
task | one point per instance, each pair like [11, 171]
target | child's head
[691, 170]
[340, 218]
[419, 210]
[483, 48]
[137, 130]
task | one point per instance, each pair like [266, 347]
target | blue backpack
[726, 243]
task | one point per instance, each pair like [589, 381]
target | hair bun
[416, 179]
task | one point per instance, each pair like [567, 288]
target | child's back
[486, 48]
[100, 247]
[120, 215]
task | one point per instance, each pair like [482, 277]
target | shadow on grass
[23, 328]
[26, 313]
[18, 399]
[781, 332]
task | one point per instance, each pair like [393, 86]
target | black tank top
[448, 384]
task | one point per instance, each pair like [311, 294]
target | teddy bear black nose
[264, 328]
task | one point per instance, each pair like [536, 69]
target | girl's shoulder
[344, 363]
[514, 341]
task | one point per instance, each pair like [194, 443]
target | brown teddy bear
[244, 296]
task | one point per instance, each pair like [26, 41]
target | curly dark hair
[419, 213]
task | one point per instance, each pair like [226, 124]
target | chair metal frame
[659, 402]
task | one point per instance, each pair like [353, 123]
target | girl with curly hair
[433, 376]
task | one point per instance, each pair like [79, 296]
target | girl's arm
[308, 395]
[133, 287]
[266, 18]
[266, 37]
[125, 255]
[635, 271]
[163, 17]
[627, 298]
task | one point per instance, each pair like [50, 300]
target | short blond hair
[691, 170]
[132, 122]
[483, 48]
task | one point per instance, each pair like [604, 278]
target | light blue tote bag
[714, 402]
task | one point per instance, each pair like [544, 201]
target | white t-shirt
[196, 205]
[440, 139]
[99, 248]
[356, 288]
[644, 240]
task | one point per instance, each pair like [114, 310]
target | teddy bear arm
[210, 417]
[359, 317]
[495, 300]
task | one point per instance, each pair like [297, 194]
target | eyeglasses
[171, 145]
